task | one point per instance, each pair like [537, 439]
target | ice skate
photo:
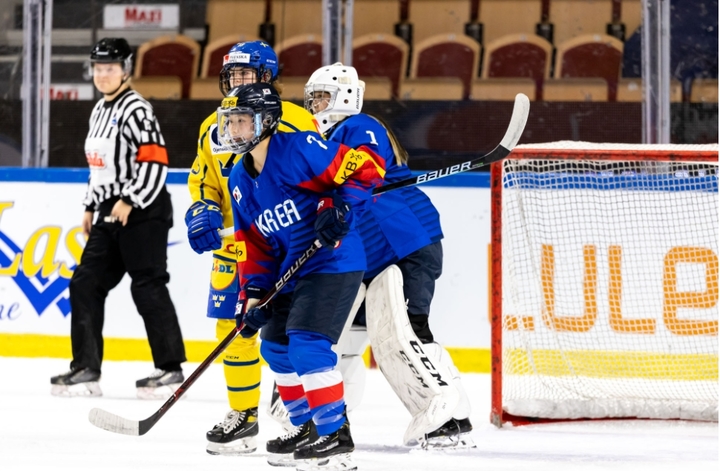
[329, 452]
[282, 448]
[236, 435]
[453, 434]
[79, 382]
[160, 384]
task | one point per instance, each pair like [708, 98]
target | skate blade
[341, 462]
[161, 392]
[91, 389]
[455, 442]
[285, 460]
[242, 446]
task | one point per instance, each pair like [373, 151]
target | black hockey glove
[330, 225]
[255, 318]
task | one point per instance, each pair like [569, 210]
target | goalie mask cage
[605, 282]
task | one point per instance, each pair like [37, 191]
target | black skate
[76, 382]
[236, 434]
[329, 452]
[160, 384]
[282, 448]
[453, 434]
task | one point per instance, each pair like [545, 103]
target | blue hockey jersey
[398, 222]
[275, 211]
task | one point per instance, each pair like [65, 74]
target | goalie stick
[519, 117]
[114, 423]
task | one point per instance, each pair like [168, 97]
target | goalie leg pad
[425, 388]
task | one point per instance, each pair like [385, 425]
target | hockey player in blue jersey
[402, 238]
[290, 189]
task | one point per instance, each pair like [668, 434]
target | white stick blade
[114, 423]
[521, 110]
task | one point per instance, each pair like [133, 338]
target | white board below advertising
[39, 253]
[151, 16]
[71, 91]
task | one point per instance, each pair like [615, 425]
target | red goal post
[605, 282]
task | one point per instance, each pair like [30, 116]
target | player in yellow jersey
[211, 211]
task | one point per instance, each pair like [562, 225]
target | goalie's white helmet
[333, 93]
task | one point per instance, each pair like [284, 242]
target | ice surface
[42, 432]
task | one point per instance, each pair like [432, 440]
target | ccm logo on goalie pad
[444, 172]
[426, 363]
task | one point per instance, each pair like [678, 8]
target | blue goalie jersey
[396, 223]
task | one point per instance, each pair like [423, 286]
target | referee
[128, 166]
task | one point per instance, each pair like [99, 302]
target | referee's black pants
[140, 250]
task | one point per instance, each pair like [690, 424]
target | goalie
[402, 238]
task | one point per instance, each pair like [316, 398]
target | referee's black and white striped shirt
[125, 151]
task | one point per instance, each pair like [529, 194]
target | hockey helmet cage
[333, 93]
[256, 55]
[256, 103]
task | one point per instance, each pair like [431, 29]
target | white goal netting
[609, 281]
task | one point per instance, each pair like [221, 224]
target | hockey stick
[114, 423]
[519, 117]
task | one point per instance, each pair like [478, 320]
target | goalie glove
[330, 225]
[203, 220]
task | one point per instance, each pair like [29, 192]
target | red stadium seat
[592, 55]
[300, 56]
[381, 55]
[169, 55]
[519, 55]
[447, 55]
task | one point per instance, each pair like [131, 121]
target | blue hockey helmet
[256, 55]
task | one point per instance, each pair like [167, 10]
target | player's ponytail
[401, 155]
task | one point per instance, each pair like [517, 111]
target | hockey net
[605, 282]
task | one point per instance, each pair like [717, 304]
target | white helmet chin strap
[325, 122]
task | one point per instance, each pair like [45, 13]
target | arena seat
[519, 55]
[432, 88]
[300, 56]
[594, 55]
[503, 17]
[215, 52]
[169, 55]
[573, 18]
[375, 17]
[630, 90]
[704, 91]
[230, 17]
[158, 87]
[297, 17]
[447, 55]
[431, 17]
[381, 55]
[575, 89]
[205, 89]
[377, 88]
[502, 89]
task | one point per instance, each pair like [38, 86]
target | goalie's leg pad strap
[427, 390]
